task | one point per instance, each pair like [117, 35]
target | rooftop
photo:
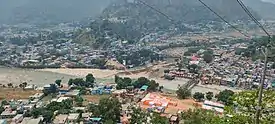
[6, 113]
[31, 120]
[73, 116]
[60, 119]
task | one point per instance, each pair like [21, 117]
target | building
[214, 106]
[17, 119]
[37, 96]
[72, 118]
[60, 119]
[8, 114]
[32, 120]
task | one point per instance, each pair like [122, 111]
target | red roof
[194, 58]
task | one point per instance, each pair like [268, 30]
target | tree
[10, 85]
[198, 96]
[225, 96]
[36, 112]
[199, 116]
[140, 82]
[193, 68]
[183, 92]
[245, 102]
[90, 79]
[209, 95]
[207, 57]
[58, 82]
[47, 115]
[157, 119]
[4, 102]
[2, 109]
[153, 86]
[70, 82]
[79, 100]
[51, 90]
[138, 116]
[109, 108]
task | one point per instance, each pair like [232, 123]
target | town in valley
[137, 62]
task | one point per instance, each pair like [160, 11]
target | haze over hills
[49, 11]
[56, 11]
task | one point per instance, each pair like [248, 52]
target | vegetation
[199, 116]
[89, 82]
[123, 83]
[138, 116]
[225, 96]
[108, 108]
[198, 96]
[245, 102]
[183, 92]
[58, 82]
[209, 95]
[208, 56]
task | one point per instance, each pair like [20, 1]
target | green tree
[153, 85]
[79, 100]
[199, 116]
[245, 102]
[138, 116]
[90, 79]
[58, 82]
[4, 102]
[2, 109]
[36, 112]
[70, 82]
[183, 92]
[157, 119]
[207, 57]
[198, 96]
[225, 96]
[109, 108]
[209, 95]
[47, 115]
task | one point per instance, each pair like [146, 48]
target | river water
[31, 76]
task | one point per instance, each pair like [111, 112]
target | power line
[252, 17]
[158, 11]
[234, 27]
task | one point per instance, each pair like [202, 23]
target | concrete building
[60, 119]
[73, 117]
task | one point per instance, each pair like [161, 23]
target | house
[30, 87]
[72, 118]
[60, 119]
[17, 119]
[144, 88]
[37, 96]
[32, 120]
[64, 90]
[8, 114]
[73, 93]
[96, 120]
[86, 116]
[29, 107]
[174, 119]
[79, 108]
[214, 106]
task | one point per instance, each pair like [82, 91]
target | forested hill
[130, 19]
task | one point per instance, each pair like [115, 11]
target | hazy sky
[272, 1]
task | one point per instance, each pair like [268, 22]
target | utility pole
[260, 95]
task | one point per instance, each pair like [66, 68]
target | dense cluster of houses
[229, 69]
